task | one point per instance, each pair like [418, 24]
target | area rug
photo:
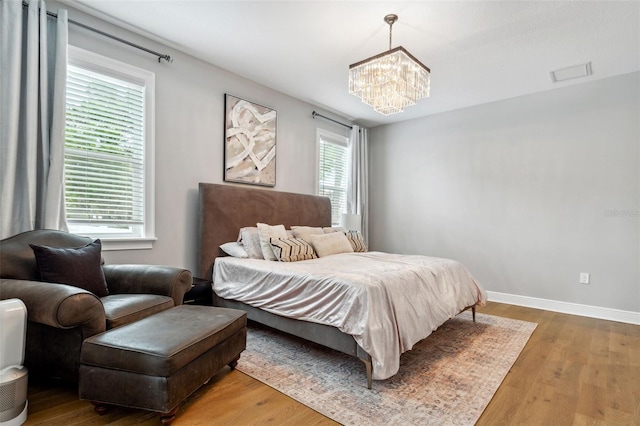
[446, 379]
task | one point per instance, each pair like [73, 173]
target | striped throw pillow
[357, 241]
[292, 249]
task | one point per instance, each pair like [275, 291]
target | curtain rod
[111, 36]
[315, 114]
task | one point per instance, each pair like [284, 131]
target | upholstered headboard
[224, 209]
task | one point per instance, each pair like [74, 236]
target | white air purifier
[13, 375]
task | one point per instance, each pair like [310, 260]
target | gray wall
[189, 136]
[527, 192]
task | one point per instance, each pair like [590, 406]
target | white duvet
[387, 302]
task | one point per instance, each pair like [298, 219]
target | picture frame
[249, 142]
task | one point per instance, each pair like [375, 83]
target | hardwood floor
[573, 371]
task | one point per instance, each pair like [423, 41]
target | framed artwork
[249, 142]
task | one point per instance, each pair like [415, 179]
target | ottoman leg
[100, 408]
[167, 418]
[234, 362]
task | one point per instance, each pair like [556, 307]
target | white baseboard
[566, 307]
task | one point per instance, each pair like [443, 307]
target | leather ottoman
[155, 363]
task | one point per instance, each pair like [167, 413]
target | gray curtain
[358, 186]
[33, 73]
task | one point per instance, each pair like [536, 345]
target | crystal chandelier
[390, 81]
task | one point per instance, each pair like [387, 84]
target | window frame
[337, 139]
[113, 68]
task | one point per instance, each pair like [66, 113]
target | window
[109, 150]
[333, 169]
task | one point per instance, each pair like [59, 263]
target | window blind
[332, 179]
[104, 149]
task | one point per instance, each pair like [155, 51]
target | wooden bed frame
[224, 209]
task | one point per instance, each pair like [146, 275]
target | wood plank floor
[573, 371]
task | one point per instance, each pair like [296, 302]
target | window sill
[112, 244]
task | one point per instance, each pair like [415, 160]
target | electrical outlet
[584, 278]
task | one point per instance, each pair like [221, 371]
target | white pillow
[328, 230]
[332, 243]
[234, 249]
[249, 238]
[305, 232]
[266, 233]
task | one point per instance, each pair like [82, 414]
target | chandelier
[390, 81]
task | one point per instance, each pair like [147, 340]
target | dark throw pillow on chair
[79, 267]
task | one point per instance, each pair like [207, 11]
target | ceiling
[478, 51]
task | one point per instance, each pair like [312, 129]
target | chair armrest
[57, 305]
[150, 279]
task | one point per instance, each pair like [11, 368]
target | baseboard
[566, 307]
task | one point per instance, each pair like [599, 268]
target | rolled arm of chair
[57, 305]
[151, 279]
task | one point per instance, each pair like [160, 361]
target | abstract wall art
[249, 142]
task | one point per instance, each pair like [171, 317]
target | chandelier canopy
[390, 81]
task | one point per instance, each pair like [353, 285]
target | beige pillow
[305, 232]
[292, 249]
[266, 233]
[332, 243]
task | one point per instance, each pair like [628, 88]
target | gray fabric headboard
[224, 209]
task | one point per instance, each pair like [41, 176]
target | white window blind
[104, 149]
[333, 168]
[109, 151]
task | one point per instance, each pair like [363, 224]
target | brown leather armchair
[60, 317]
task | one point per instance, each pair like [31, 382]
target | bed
[224, 209]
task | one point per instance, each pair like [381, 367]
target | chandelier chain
[390, 19]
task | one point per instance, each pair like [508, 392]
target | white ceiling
[478, 51]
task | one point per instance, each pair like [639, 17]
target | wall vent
[569, 73]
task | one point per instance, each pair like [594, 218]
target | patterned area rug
[446, 379]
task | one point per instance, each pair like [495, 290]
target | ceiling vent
[569, 73]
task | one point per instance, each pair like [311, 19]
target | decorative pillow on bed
[267, 232]
[234, 249]
[328, 230]
[292, 249]
[249, 239]
[357, 241]
[305, 232]
[332, 243]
